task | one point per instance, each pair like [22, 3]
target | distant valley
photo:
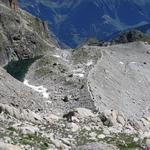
[74, 21]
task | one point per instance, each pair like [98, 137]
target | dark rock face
[131, 36]
[22, 36]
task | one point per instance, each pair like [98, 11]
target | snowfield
[42, 90]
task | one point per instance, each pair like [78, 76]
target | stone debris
[22, 114]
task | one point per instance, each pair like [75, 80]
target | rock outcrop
[22, 35]
[131, 36]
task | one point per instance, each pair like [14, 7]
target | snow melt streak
[39, 89]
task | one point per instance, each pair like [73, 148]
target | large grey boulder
[5, 146]
[84, 112]
[112, 118]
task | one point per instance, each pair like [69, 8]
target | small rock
[87, 128]
[121, 120]
[65, 99]
[75, 119]
[101, 136]
[74, 127]
[135, 139]
[92, 134]
[83, 112]
[70, 136]
[66, 141]
[51, 118]
[106, 131]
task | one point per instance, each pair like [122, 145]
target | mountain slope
[22, 35]
[91, 97]
[74, 21]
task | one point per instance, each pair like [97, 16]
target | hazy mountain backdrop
[73, 21]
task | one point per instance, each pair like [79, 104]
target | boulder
[52, 118]
[101, 136]
[106, 118]
[74, 127]
[5, 146]
[112, 118]
[121, 120]
[84, 112]
[147, 144]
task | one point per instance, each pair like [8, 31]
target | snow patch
[89, 63]
[57, 56]
[122, 63]
[64, 58]
[81, 75]
[39, 89]
[133, 62]
[79, 72]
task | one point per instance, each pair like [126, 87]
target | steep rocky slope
[65, 79]
[22, 36]
[120, 80]
[113, 77]
[103, 90]
[14, 93]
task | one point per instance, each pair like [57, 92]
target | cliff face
[22, 36]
